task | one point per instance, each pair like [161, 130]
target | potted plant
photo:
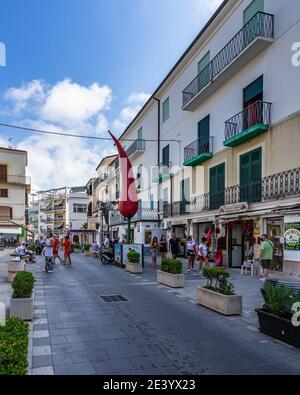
[76, 247]
[21, 303]
[170, 273]
[218, 294]
[133, 264]
[280, 317]
[86, 248]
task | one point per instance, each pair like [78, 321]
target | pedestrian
[203, 254]
[266, 255]
[106, 241]
[48, 252]
[190, 253]
[154, 251]
[67, 251]
[174, 246]
[163, 247]
[56, 248]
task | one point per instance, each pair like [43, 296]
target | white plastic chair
[247, 265]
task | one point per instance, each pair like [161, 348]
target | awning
[179, 223]
[11, 230]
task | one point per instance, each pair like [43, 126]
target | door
[203, 135]
[255, 27]
[204, 77]
[217, 186]
[185, 196]
[252, 94]
[3, 173]
[250, 177]
[255, 7]
[166, 156]
[235, 246]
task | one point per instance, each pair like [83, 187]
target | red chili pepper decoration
[128, 203]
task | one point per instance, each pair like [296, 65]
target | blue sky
[85, 65]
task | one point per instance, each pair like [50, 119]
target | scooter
[107, 256]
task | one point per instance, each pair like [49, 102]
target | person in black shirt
[163, 247]
[174, 246]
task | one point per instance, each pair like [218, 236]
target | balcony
[16, 180]
[246, 125]
[199, 151]
[251, 40]
[137, 148]
[162, 173]
[176, 209]
[143, 214]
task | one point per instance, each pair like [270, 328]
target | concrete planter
[224, 304]
[87, 253]
[135, 268]
[171, 280]
[22, 308]
[76, 250]
[14, 268]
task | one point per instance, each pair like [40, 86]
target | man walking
[174, 246]
[48, 250]
[266, 255]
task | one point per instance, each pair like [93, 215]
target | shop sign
[292, 236]
[233, 208]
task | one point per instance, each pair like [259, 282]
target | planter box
[22, 308]
[278, 327]
[76, 250]
[14, 268]
[135, 268]
[226, 305]
[87, 253]
[171, 280]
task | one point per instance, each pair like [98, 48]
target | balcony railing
[250, 122]
[162, 172]
[199, 151]
[137, 147]
[18, 180]
[274, 187]
[261, 25]
[143, 214]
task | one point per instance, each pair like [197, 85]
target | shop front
[275, 231]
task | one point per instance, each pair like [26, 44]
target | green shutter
[250, 176]
[203, 129]
[166, 110]
[217, 186]
[255, 7]
[254, 89]
[140, 134]
[204, 62]
[166, 155]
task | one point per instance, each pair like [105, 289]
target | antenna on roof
[9, 142]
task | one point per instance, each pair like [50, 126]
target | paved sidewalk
[157, 330]
[5, 287]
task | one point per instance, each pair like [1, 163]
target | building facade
[216, 145]
[14, 190]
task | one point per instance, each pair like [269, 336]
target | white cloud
[33, 91]
[68, 102]
[136, 102]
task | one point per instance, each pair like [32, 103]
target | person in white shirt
[48, 252]
[203, 254]
[190, 247]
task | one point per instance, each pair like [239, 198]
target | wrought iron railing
[143, 214]
[164, 169]
[274, 187]
[261, 25]
[200, 146]
[138, 145]
[256, 113]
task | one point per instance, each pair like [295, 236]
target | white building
[76, 210]
[226, 122]
[14, 189]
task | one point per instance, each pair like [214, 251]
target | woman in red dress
[67, 250]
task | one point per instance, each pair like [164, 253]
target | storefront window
[275, 233]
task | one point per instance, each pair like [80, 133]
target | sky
[85, 66]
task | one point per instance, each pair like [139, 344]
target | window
[254, 7]
[79, 208]
[166, 110]
[3, 173]
[254, 92]
[4, 193]
[217, 186]
[151, 202]
[203, 135]
[140, 134]
[166, 156]
[5, 213]
[250, 176]
[204, 62]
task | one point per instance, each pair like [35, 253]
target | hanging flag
[208, 237]
[128, 202]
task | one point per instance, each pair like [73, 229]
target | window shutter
[255, 7]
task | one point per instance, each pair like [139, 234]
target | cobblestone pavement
[157, 330]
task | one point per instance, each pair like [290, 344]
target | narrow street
[156, 330]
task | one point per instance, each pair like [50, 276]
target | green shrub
[86, 247]
[13, 347]
[76, 246]
[217, 280]
[173, 266]
[280, 300]
[23, 285]
[133, 256]
[32, 248]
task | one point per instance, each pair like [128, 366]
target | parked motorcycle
[107, 256]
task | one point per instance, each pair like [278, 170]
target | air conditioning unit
[165, 224]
